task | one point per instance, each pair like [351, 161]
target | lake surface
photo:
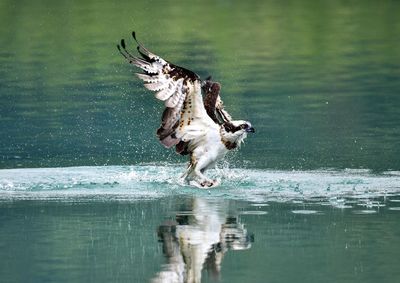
[87, 193]
[139, 224]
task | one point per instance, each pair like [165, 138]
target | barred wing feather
[184, 118]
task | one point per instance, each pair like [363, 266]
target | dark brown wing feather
[213, 103]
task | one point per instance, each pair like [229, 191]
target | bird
[194, 119]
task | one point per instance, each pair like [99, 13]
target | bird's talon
[207, 184]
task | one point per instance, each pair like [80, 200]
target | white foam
[337, 188]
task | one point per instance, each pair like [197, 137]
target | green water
[109, 241]
[313, 196]
[319, 80]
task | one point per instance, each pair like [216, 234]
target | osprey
[200, 128]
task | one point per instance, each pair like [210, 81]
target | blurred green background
[319, 80]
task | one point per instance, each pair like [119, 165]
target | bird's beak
[250, 130]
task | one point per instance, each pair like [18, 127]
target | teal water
[87, 193]
[319, 81]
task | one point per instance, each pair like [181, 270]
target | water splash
[342, 189]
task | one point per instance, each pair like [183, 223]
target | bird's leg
[195, 172]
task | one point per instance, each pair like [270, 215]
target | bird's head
[236, 131]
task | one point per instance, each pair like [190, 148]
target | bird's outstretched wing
[185, 118]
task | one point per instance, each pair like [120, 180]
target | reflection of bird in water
[197, 240]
